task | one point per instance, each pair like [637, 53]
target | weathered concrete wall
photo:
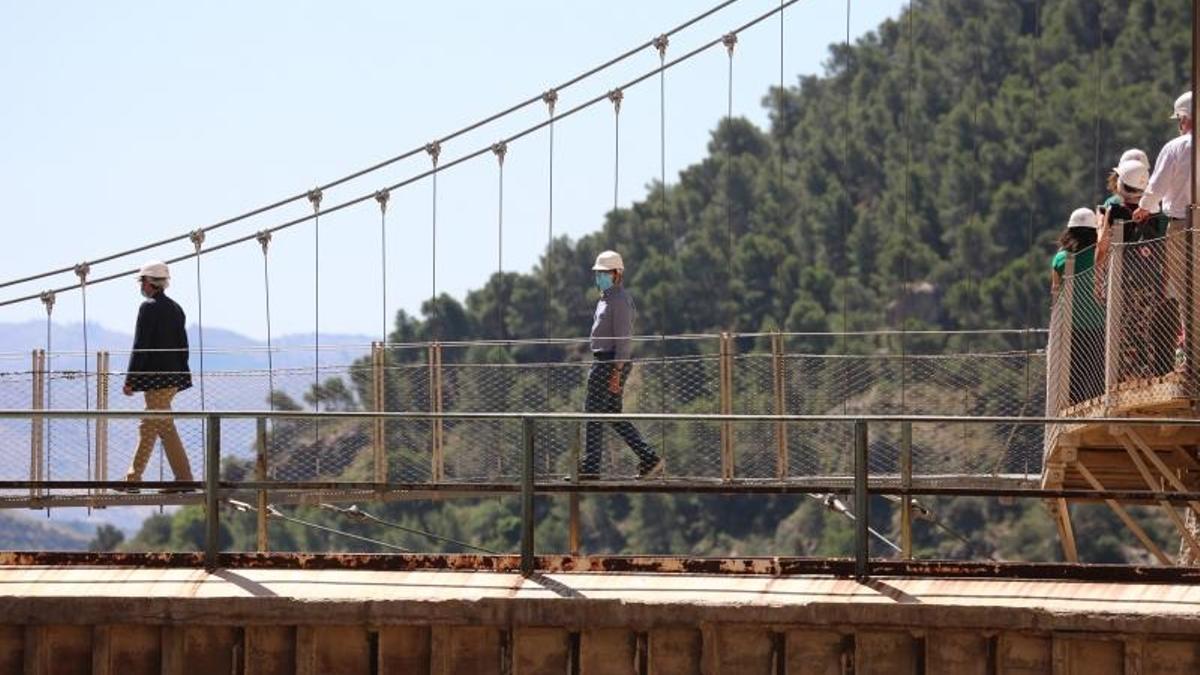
[297, 622]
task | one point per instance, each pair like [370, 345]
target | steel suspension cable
[434, 150]
[616, 96]
[421, 176]
[274, 512]
[382, 197]
[730, 41]
[197, 238]
[354, 512]
[382, 164]
[314, 197]
[500, 150]
[81, 271]
[264, 240]
[660, 44]
[842, 216]
[48, 298]
[551, 99]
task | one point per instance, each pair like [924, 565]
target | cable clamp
[550, 98]
[729, 40]
[264, 239]
[435, 150]
[47, 298]
[500, 149]
[382, 196]
[616, 96]
[314, 197]
[82, 270]
[197, 237]
[660, 43]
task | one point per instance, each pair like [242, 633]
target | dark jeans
[601, 400]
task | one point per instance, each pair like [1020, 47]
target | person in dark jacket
[158, 367]
[612, 349]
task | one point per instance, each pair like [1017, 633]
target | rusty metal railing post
[779, 394]
[726, 394]
[212, 477]
[1113, 316]
[527, 502]
[862, 544]
[378, 453]
[37, 430]
[260, 474]
[906, 483]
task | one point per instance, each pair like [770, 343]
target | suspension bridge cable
[500, 150]
[842, 216]
[314, 198]
[264, 240]
[274, 512]
[48, 298]
[434, 150]
[81, 271]
[426, 174]
[660, 44]
[197, 239]
[382, 164]
[382, 197]
[730, 41]
[616, 96]
[354, 512]
[834, 504]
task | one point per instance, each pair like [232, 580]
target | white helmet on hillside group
[1134, 174]
[608, 261]
[1134, 154]
[155, 271]
[1081, 217]
[1183, 106]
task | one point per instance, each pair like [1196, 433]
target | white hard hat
[1134, 154]
[1183, 106]
[607, 261]
[1134, 174]
[155, 269]
[1082, 217]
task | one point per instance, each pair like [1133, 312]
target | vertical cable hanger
[616, 96]
[905, 285]
[82, 270]
[660, 44]
[730, 41]
[382, 197]
[314, 197]
[550, 98]
[843, 216]
[264, 240]
[197, 239]
[434, 150]
[500, 150]
[47, 298]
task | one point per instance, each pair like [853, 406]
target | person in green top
[1078, 242]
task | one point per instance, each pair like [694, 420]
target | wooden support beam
[1162, 467]
[1172, 513]
[1125, 517]
[1066, 533]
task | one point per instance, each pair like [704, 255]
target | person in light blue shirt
[612, 349]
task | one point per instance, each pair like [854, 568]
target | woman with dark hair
[1078, 243]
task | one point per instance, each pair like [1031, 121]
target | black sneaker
[654, 470]
[128, 490]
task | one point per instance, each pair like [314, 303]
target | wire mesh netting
[1118, 339]
[886, 373]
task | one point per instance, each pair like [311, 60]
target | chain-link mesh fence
[998, 374]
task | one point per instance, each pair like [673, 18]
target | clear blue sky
[124, 122]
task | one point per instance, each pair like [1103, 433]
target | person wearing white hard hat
[612, 349]
[1169, 193]
[1078, 245]
[158, 367]
[1132, 154]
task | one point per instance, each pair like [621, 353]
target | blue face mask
[604, 281]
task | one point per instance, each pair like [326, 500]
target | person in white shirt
[1170, 190]
[1170, 184]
